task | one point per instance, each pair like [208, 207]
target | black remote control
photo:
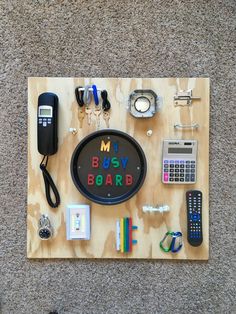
[194, 217]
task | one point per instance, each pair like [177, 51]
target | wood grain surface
[151, 227]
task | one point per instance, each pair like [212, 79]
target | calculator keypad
[179, 171]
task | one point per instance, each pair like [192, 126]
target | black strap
[105, 102]
[79, 94]
[49, 184]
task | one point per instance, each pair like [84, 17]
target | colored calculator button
[165, 161]
[166, 177]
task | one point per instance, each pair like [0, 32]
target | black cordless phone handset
[47, 121]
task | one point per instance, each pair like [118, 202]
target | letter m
[105, 147]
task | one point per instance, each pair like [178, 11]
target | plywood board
[151, 227]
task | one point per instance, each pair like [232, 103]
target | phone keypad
[179, 171]
[44, 121]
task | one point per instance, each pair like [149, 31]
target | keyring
[95, 95]
[87, 95]
[173, 248]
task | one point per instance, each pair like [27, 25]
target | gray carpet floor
[130, 39]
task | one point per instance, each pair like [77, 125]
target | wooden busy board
[151, 226]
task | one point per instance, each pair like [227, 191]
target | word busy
[106, 163]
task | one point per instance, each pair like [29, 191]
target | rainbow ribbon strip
[124, 230]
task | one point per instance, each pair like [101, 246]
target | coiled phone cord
[49, 184]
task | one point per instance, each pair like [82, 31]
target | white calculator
[179, 161]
